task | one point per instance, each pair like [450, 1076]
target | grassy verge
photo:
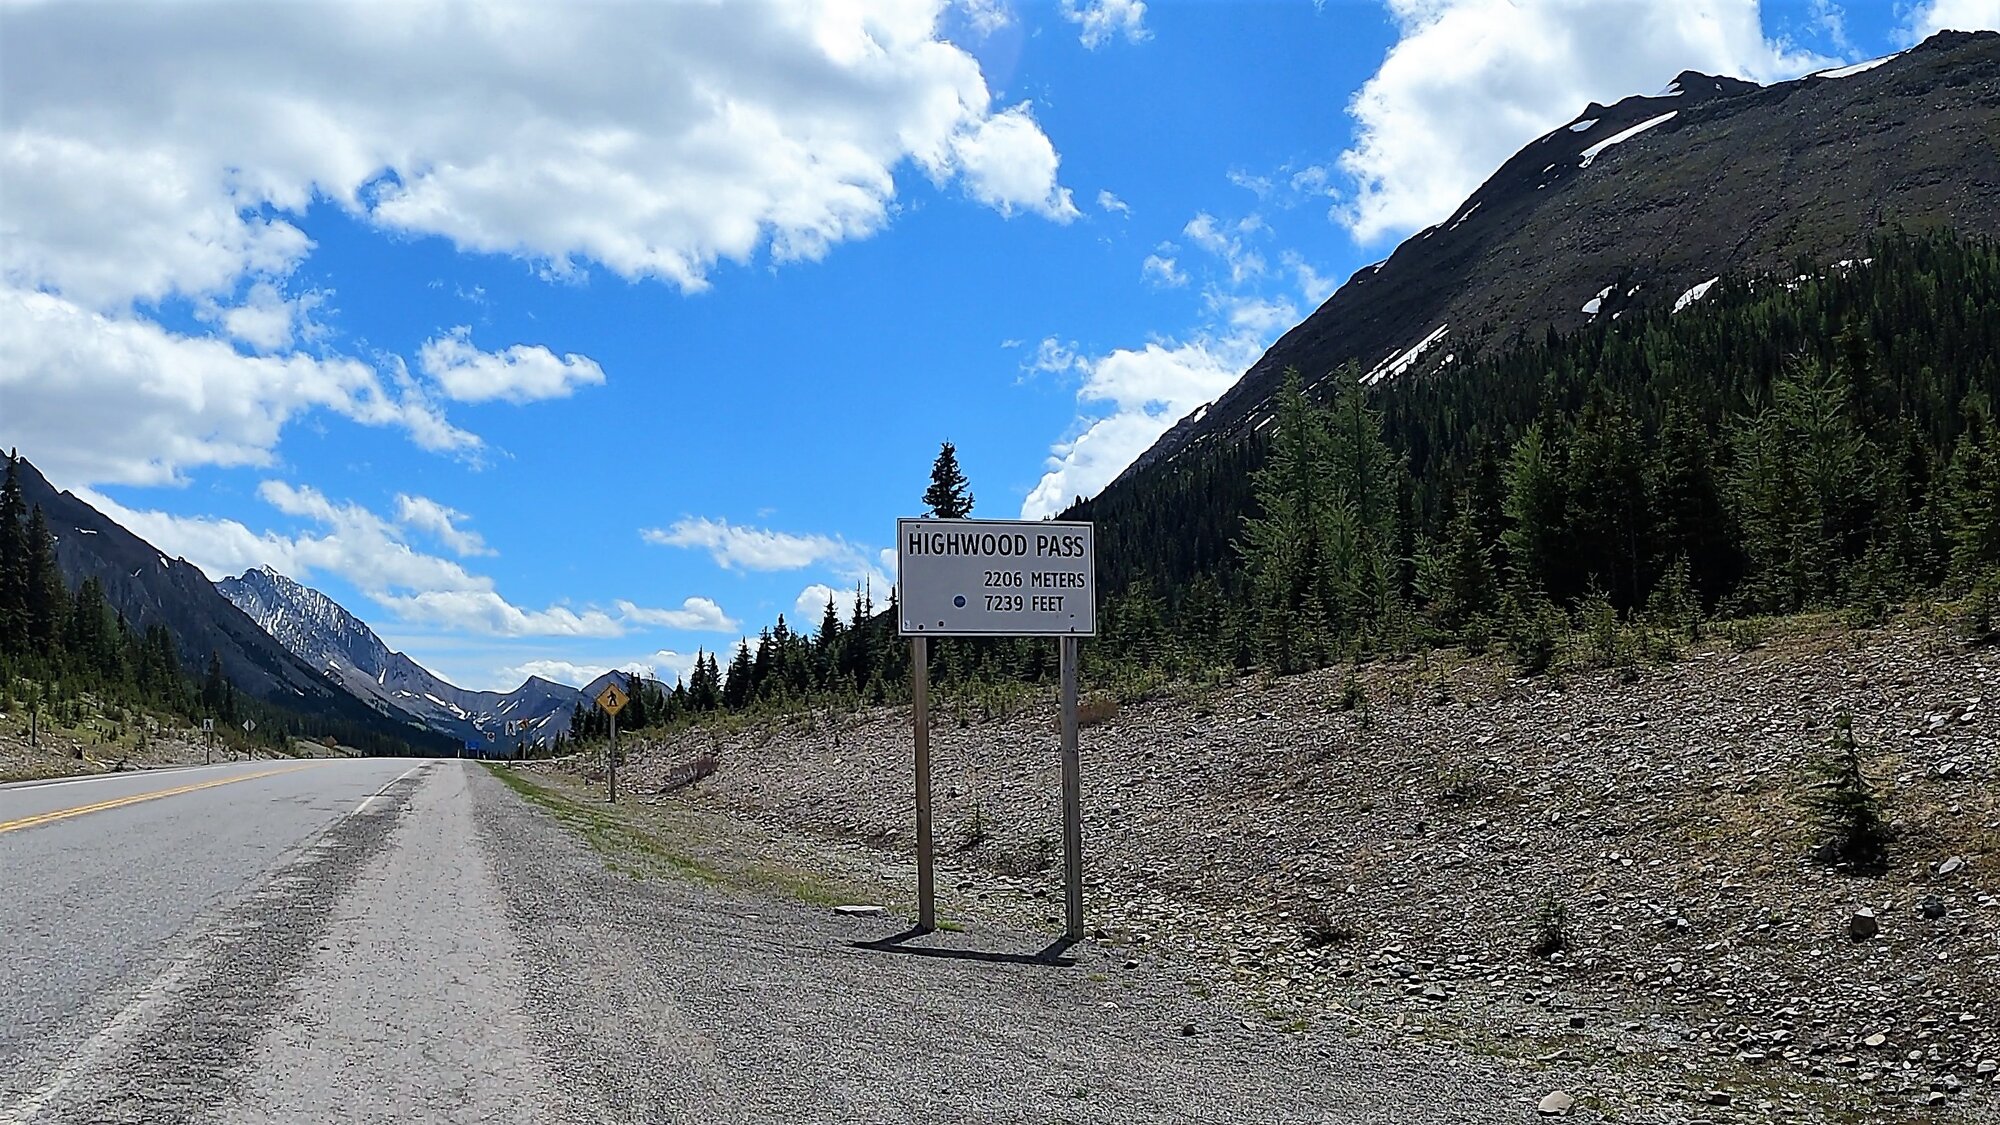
[647, 841]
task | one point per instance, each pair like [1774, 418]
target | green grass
[647, 841]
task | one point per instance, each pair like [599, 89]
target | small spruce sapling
[1845, 807]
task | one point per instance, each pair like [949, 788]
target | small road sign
[612, 699]
[208, 724]
[249, 725]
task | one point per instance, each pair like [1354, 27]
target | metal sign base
[1072, 788]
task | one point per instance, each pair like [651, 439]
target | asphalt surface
[388, 941]
[111, 885]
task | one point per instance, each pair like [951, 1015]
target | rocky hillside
[1588, 871]
[318, 630]
[1646, 200]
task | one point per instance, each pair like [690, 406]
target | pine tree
[1281, 545]
[1609, 510]
[214, 687]
[42, 581]
[948, 497]
[13, 562]
[740, 683]
[1971, 496]
[1688, 502]
[1537, 534]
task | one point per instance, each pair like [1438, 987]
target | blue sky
[551, 339]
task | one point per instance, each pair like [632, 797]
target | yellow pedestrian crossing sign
[612, 699]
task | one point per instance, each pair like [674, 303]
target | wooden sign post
[612, 699]
[997, 578]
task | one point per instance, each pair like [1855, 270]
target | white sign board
[996, 578]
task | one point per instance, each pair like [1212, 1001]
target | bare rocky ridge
[321, 632]
[1726, 177]
[1385, 878]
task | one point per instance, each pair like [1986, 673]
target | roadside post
[207, 741]
[612, 699]
[997, 578]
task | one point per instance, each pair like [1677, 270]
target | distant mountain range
[320, 632]
[1642, 203]
[148, 588]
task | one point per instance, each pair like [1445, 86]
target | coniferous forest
[1785, 444]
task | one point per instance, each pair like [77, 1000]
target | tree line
[58, 644]
[1822, 440]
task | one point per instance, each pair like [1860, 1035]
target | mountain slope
[322, 633]
[145, 586]
[1640, 203]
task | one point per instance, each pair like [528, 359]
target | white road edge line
[51, 783]
[86, 1057]
[366, 801]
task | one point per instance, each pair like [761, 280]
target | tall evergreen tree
[949, 496]
[13, 562]
[1971, 496]
[47, 599]
[1537, 534]
[1609, 510]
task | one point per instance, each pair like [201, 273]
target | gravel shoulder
[670, 979]
[1378, 874]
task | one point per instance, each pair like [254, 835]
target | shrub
[1603, 642]
[1746, 634]
[1845, 807]
[1535, 634]
[1550, 933]
[1979, 619]
[1320, 929]
[1353, 696]
[1096, 709]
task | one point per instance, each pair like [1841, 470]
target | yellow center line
[120, 802]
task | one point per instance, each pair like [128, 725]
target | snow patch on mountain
[1597, 149]
[318, 630]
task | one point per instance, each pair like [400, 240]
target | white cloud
[1007, 162]
[985, 16]
[1925, 19]
[556, 671]
[696, 615]
[519, 374]
[441, 523]
[163, 153]
[655, 139]
[1130, 396]
[366, 551]
[96, 398]
[1148, 388]
[1225, 241]
[734, 547]
[1162, 270]
[810, 608]
[1314, 287]
[1099, 20]
[1471, 81]
[1112, 205]
[266, 319]
[1055, 356]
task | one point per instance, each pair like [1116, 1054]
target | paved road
[391, 942]
[109, 883]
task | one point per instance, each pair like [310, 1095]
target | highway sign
[612, 699]
[996, 578]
